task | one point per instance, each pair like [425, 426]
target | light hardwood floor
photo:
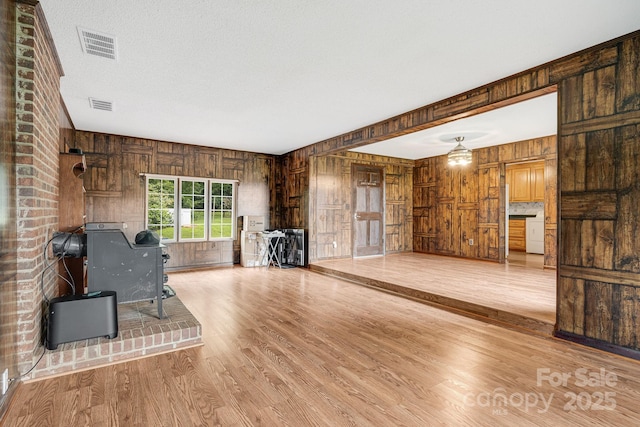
[520, 292]
[294, 348]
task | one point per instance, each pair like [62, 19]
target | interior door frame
[507, 202]
[354, 219]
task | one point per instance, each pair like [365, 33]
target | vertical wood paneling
[468, 203]
[571, 248]
[627, 229]
[132, 197]
[626, 305]
[399, 209]
[489, 242]
[551, 190]
[599, 93]
[572, 154]
[467, 192]
[424, 205]
[489, 207]
[116, 191]
[598, 314]
[468, 230]
[295, 169]
[551, 245]
[628, 80]
[445, 229]
[571, 99]
[599, 100]
[331, 210]
[331, 198]
[550, 207]
[571, 305]
[596, 244]
[599, 159]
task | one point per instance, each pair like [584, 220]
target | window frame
[212, 209]
[177, 197]
[146, 205]
[181, 196]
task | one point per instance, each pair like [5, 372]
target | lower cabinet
[517, 235]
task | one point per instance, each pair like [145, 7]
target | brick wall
[8, 244]
[37, 140]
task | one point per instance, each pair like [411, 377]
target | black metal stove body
[135, 272]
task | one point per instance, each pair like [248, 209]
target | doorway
[368, 208]
[525, 207]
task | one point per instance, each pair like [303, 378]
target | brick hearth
[140, 333]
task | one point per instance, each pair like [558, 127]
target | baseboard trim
[598, 344]
[6, 400]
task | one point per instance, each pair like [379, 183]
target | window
[221, 210]
[161, 202]
[190, 209]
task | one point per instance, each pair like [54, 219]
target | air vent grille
[98, 104]
[98, 44]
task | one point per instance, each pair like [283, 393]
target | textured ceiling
[525, 120]
[273, 76]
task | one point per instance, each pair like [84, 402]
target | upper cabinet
[520, 185]
[537, 187]
[526, 182]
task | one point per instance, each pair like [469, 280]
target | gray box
[80, 317]
[253, 223]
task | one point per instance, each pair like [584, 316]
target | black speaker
[80, 317]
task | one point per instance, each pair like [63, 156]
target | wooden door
[368, 208]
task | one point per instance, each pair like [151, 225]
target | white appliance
[252, 247]
[535, 234]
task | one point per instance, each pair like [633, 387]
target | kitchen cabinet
[520, 185]
[517, 235]
[526, 182]
[537, 186]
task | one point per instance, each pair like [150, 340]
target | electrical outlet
[470, 242]
[5, 381]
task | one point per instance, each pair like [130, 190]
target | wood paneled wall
[455, 204]
[115, 192]
[295, 189]
[331, 210]
[599, 275]
[599, 112]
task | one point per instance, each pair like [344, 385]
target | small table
[272, 240]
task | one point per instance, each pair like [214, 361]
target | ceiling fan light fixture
[459, 155]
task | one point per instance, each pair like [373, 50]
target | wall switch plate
[5, 381]
[470, 242]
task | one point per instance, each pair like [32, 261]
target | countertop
[521, 216]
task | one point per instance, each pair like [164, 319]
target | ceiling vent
[98, 44]
[98, 104]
